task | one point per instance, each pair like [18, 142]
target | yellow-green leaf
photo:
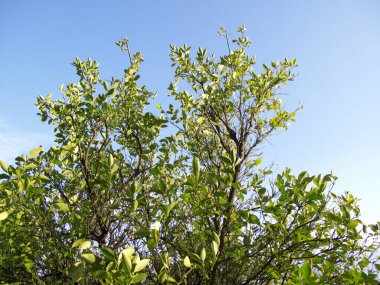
[78, 242]
[129, 251]
[3, 215]
[127, 261]
[86, 244]
[3, 166]
[216, 238]
[139, 278]
[141, 265]
[203, 253]
[110, 160]
[88, 257]
[215, 247]
[258, 161]
[135, 205]
[63, 207]
[33, 153]
[186, 261]
[200, 120]
[170, 279]
[196, 167]
[136, 259]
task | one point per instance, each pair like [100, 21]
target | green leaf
[306, 271]
[170, 279]
[215, 248]
[3, 166]
[203, 254]
[186, 262]
[151, 244]
[108, 253]
[143, 232]
[139, 278]
[141, 265]
[195, 258]
[216, 238]
[28, 265]
[86, 244]
[170, 207]
[3, 215]
[26, 183]
[154, 171]
[4, 176]
[200, 120]
[226, 160]
[136, 259]
[352, 224]
[253, 219]
[33, 153]
[88, 257]
[257, 161]
[129, 251]
[76, 272]
[350, 199]
[114, 168]
[178, 135]
[196, 167]
[101, 274]
[63, 207]
[105, 85]
[135, 204]
[23, 184]
[79, 242]
[110, 160]
[127, 261]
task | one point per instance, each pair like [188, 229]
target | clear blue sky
[337, 44]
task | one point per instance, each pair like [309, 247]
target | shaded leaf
[306, 271]
[139, 278]
[108, 253]
[76, 272]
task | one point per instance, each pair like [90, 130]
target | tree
[116, 202]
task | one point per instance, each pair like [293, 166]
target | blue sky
[336, 43]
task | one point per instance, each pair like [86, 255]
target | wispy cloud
[15, 141]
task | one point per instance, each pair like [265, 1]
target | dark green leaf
[108, 253]
[76, 272]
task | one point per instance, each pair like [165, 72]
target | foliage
[116, 202]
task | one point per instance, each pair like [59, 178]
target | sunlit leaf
[33, 153]
[3, 215]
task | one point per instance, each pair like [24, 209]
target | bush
[116, 202]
